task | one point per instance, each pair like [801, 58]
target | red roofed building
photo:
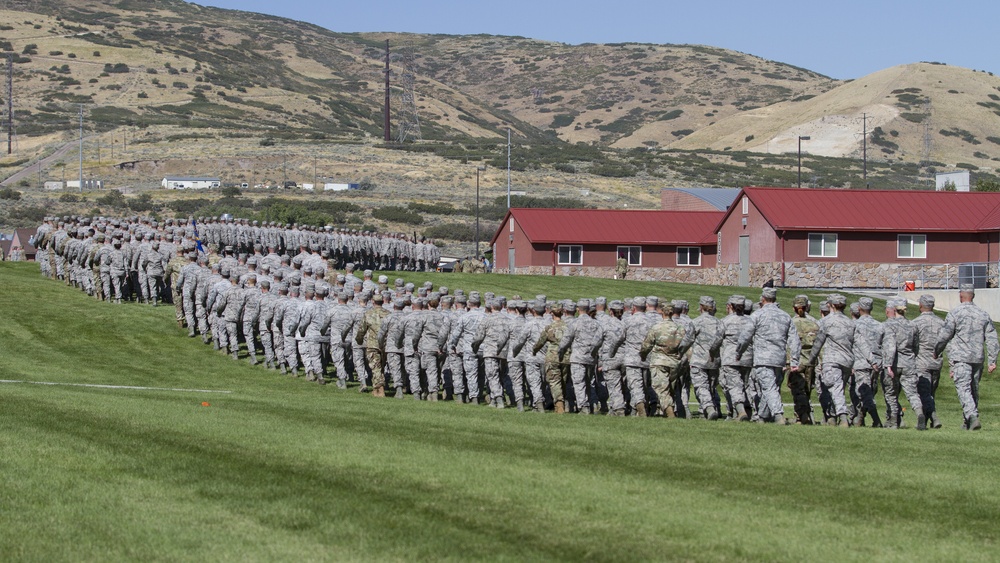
[859, 238]
[659, 245]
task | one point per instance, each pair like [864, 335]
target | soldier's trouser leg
[291, 351]
[800, 383]
[554, 377]
[613, 383]
[832, 388]
[339, 357]
[413, 372]
[471, 364]
[533, 374]
[143, 282]
[864, 388]
[581, 375]
[636, 385]
[232, 331]
[515, 372]
[925, 387]
[665, 382]
[701, 380]
[188, 304]
[278, 344]
[491, 368]
[909, 382]
[432, 371]
[765, 379]
[966, 378]
[119, 284]
[106, 285]
[201, 315]
[373, 356]
[890, 393]
[394, 363]
[456, 375]
[266, 341]
[249, 334]
[178, 305]
[360, 368]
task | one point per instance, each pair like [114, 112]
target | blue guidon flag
[197, 239]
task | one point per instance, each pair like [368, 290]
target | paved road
[30, 170]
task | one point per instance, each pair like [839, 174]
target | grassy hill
[278, 469]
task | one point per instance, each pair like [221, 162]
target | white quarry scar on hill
[830, 135]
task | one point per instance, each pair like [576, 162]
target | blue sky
[844, 39]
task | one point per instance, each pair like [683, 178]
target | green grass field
[279, 469]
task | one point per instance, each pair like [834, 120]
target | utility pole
[864, 147]
[10, 102]
[284, 170]
[386, 122]
[508, 168]
[81, 148]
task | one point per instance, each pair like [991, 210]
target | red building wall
[764, 242]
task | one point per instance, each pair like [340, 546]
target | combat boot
[499, 403]
[321, 380]
[921, 422]
[474, 400]
[539, 406]
[283, 370]
[253, 359]
[295, 372]
[520, 406]
[399, 393]
[586, 409]
[843, 422]
[712, 414]
[935, 422]
[191, 333]
[416, 396]
[669, 412]
[640, 409]
[741, 413]
[974, 423]
[310, 376]
[433, 397]
[559, 407]
[378, 392]
[236, 355]
[780, 420]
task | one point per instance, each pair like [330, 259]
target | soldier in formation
[623, 357]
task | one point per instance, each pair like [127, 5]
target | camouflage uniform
[928, 326]
[491, 337]
[774, 339]
[735, 373]
[801, 383]
[704, 338]
[368, 333]
[556, 372]
[967, 327]
[836, 340]
[904, 367]
[662, 349]
[582, 339]
[869, 337]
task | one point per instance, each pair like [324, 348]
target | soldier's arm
[362, 329]
[540, 343]
[992, 344]
[945, 335]
[818, 344]
[479, 336]
[794, 344]
[383, 332]
[647, 345]
[746, 336]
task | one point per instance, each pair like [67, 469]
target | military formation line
[640, 356]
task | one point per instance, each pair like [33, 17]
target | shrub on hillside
[396, 214]
[10, 194]
[451, 231]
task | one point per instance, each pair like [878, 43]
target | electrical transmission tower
[408, 122]
[927, 130]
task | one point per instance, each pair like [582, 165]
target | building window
[512, 224]
[822, 245]
[746, 205]
[688, 256]
[911, 246]
[570, 254]
[631, 253]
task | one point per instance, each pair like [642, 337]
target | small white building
[959, 178]
[190, 183]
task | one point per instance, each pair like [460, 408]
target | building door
[744, 261]
[510, 260]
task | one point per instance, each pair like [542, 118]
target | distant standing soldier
[970, 327]
[801, 383]
[621, 268]
[928, 327]
[774, 339]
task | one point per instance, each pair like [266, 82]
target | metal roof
[613, 226]
[719, 198]
[191, 179]
[800, 209]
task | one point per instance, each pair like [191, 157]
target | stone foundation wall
[797, 274]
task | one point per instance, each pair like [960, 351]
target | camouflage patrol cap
[927, 300]
[679, 304]
[866, 303]
[855, 307]
[707, 301]
[747, 305]
[458, 292]
[383, 279]
[399, 282]
[601, 301]
[368, 273]
[422, 292]
[293, 291]
[652, 301]
[428, 284]
[225, 273]
[800, 301]
[556, 307]
[537, 306]
[349, 267]
[251, 278]
[569, 307]
[900, 303]
[443, 290]
[278, 274]
[322, 290]
[265, 284]
[967, 288]
[307, 270]
[837, 300]
[824, 307]
[297, 260]
[627, 303]
[735, 300]
[583, 304]
[769, 293]
[408, 287]
[251, 261]
[378, 298]
[447, 299]
[638, 301]
[616, 305]
[100, 237]
[341, 278]
[461, 299]
[540, 298]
